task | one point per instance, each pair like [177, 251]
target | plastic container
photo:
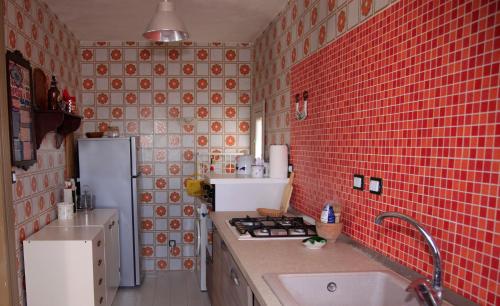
[244, 164]
[113, 132]
[258, 171]
[65, 211]
[325, 212]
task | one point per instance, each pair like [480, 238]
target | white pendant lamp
[165, 26]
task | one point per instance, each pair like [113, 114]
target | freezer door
[106, 167]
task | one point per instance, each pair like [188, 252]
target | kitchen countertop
[256, 258]
[86, 218]
[241, 179]
[64, 234]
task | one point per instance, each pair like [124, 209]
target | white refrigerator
[109, 167]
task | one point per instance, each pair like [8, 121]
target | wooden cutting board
[285, 201]
[41, 99]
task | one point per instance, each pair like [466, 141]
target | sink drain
[332, 287]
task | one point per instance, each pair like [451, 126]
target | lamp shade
[165, 26]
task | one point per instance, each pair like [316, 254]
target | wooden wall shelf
[61, 122]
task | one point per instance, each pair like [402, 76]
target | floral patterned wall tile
[179, 99]
[33, 29]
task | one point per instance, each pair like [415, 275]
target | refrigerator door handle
[133, 157]
[198, 237]
[136, 244]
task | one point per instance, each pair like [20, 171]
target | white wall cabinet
[65, 266]
[104, 220]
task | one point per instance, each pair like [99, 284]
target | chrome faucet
[430, 293]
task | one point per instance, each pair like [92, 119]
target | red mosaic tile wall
[411, 96]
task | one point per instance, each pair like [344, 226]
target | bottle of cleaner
[325, 212]
[331, 215]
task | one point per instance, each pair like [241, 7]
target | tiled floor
[165, 289]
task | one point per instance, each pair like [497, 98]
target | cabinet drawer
[98, 252]
[240, 291]
[100, 289]
[237, 287]
[210, 274]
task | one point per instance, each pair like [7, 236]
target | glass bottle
[53, 94]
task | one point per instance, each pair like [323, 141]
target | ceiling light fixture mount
[165, 26]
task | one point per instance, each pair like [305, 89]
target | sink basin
[376, 288]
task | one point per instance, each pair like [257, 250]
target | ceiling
[206, 20]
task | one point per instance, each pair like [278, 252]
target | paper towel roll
[278, 161]
[68, 196]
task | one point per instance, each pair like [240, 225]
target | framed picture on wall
[20, 103]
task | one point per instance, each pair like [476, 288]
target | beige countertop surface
[95, 217]
[256, 258]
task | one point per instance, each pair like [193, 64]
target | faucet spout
[436, 256]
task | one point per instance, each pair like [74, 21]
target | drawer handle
[99, 243]
[101, 300]
[99, 262]
[236, 281]
[100, 281]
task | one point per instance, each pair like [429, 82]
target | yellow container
[193, 186]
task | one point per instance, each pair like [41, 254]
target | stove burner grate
[268, 227]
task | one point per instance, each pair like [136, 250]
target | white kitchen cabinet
[65, 266]
[243, 193]
[108, 220]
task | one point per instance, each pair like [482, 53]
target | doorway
[8, 276]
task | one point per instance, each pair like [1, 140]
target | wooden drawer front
[238, 286]
[238, 292]
[210, 276]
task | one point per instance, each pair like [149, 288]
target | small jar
[258, 171]
[113, 132]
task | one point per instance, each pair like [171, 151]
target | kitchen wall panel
[302, 27]
[180, 99]
[410, 96]
[33, 29]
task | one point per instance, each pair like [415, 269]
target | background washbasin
[376, 288]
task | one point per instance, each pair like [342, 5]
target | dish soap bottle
[331, 215]
[325, 212]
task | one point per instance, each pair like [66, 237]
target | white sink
[377, 288]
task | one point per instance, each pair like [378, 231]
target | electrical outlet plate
[358, 182]
[375, 185]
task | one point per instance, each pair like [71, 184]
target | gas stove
[249, 228]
